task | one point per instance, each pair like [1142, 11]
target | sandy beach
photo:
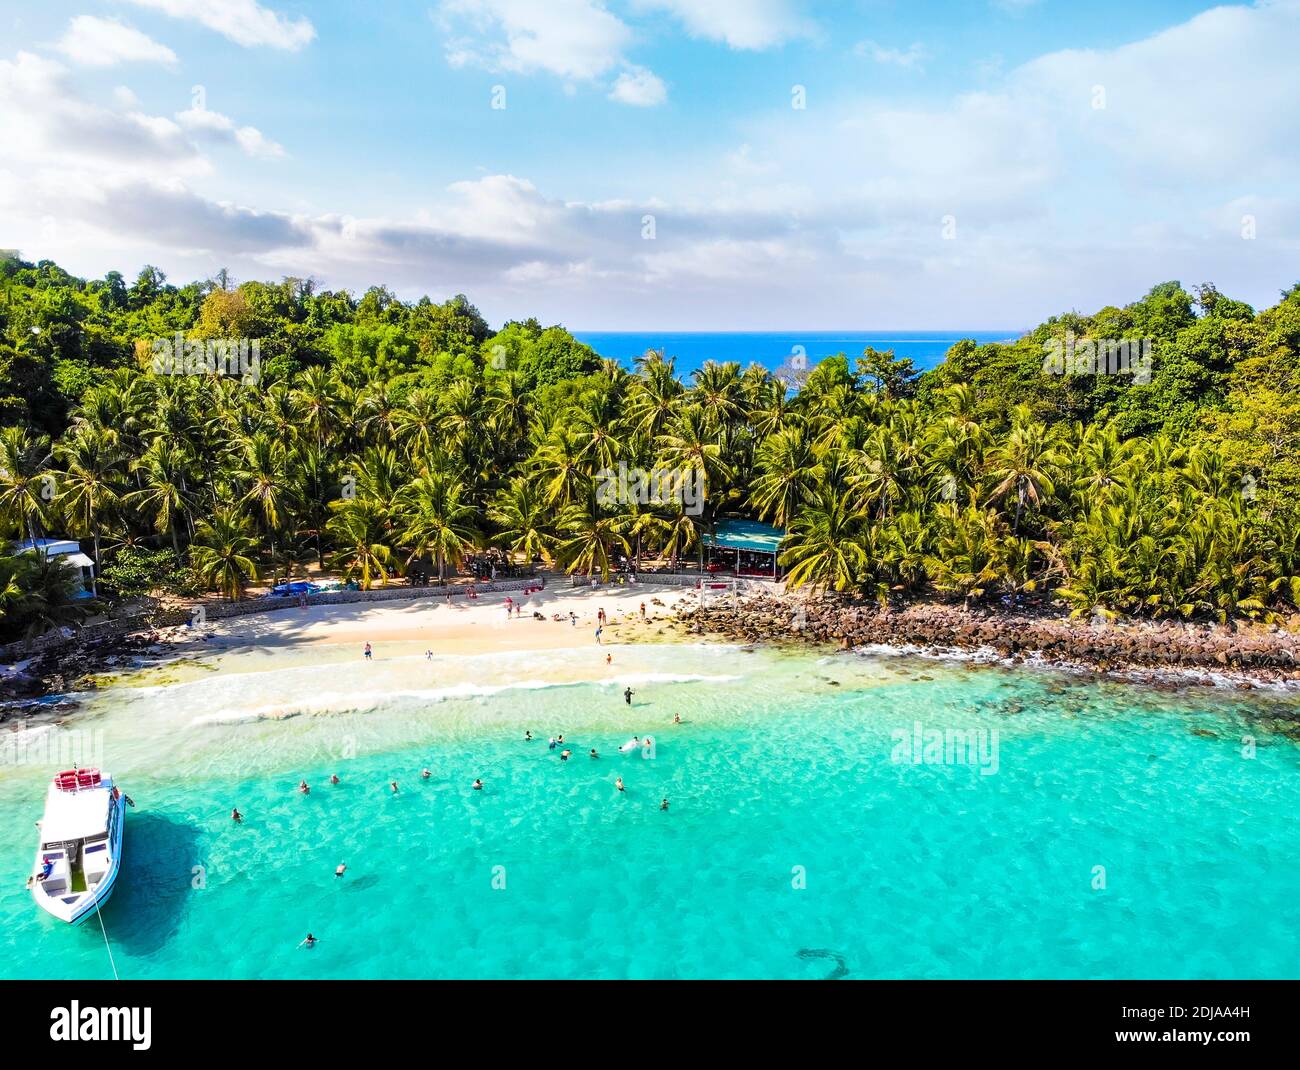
[468, 626]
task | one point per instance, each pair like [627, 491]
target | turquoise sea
[798, 843]
[774, 348]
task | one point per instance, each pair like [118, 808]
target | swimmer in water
[619, 784]
[560, 739]
[477, 785]
[528, 736]
[302, 787]
[393, 784]
[310, 941]
[663, 805]
[425, 773]
[593, 753]
[564, 755]
[236, 816]
[340, 869]
[334, 778]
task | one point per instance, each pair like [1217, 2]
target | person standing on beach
[627, 696]
[643, 611]
[599, 629]
[368, 652]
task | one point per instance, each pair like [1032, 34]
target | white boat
[80, 848]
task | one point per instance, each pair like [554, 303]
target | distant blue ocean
[773, 348]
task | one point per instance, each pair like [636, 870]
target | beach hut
[67, 551]
[744, 548]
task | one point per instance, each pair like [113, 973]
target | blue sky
[955, 166]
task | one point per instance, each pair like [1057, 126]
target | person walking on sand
[598, 631]
[643, 611]
[368, 652]
[609, 659]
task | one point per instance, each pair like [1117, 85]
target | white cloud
[222, 128]
[96, 42]
[576, 39]
[246, 22]
[44, 122]
[740, 24]
[639, 87]
[912, 57]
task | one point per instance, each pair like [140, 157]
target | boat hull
[76, 909]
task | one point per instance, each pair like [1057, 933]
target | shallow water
[801, 840]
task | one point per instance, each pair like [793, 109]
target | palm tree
[437, 519]
[825, 548]
[788, 470]
[165, 493]
[27, 486]
[223, 554]
[522, 516]
[357, 527]
[588, 540]
[89, 486]
[1021, 466]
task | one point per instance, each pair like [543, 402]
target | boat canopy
[74, 815]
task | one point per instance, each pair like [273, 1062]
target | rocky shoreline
[1158, 653]
[26, 686]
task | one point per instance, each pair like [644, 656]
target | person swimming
[340, 869]
[560, 739]
[528, 736]
[564, 755]
[393, 784]
[551, 744]
[477, 785]
[310, 941]
[334, 778]
[619, 784]
[663, 805]
[302, 787]
[236, 816]
[593, 753]
[425, 773]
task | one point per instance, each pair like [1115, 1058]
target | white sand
[468, 625]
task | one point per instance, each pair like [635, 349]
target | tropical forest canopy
[378, 432]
